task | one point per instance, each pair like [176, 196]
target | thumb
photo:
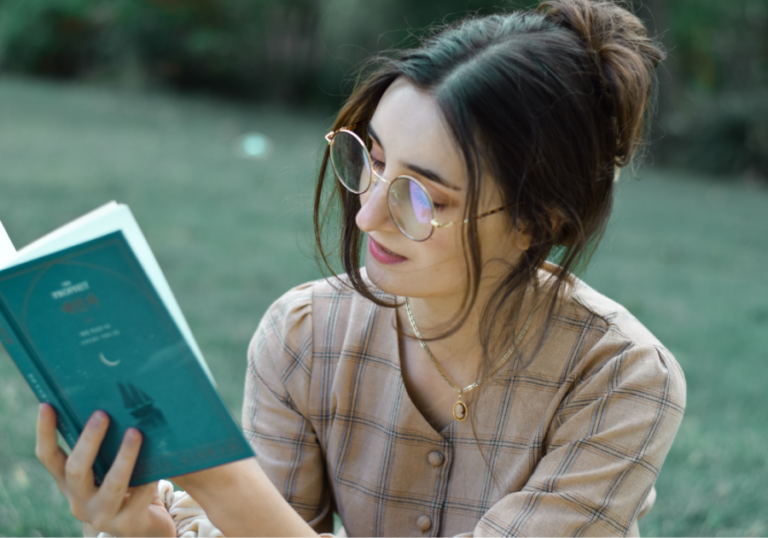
[142, 496]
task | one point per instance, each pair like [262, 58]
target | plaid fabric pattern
[569, 446]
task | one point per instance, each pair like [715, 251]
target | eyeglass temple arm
[465, 221]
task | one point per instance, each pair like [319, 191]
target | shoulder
[314, 301]
[615, 379]
[315, 314]
[611, 316]
[594, 332]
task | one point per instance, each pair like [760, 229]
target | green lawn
[687, 255]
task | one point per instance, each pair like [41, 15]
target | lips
[383, 255]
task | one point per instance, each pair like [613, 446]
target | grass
[686, 254]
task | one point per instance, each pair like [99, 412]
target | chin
[383, 279]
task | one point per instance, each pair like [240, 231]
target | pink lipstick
[382, 255]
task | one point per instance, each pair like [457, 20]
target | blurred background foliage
[713, 102]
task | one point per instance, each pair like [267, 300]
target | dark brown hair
[552, 102]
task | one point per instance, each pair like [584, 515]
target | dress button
[424, 523]
[435, 458]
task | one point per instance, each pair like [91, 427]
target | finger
[79, 467]
[47, 448]
[115, 485]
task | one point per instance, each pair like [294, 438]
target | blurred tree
[712, 87]
[241, 47]
[261, 49]
[56, 38]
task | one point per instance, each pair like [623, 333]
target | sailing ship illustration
[141, 406]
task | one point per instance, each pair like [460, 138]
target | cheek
[444, 252]
[498, 242]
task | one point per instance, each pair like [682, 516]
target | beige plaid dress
[570, 445]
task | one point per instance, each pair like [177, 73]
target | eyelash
[378, 167]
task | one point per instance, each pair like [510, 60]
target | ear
[522, 236]
[523, 230]
[557, 219]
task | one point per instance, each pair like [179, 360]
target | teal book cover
[88, 331]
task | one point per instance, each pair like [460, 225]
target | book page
[57, 239]
[109, 218]
[7, 250]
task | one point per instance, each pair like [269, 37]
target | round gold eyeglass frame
[433, 221]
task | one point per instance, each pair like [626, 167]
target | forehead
[412, 130]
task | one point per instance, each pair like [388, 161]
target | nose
[374, 212]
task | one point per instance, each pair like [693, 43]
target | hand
[113, 507]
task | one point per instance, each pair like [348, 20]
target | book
[91, 322]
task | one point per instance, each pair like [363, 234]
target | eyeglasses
[409, 202]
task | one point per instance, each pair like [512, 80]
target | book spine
[37, 380]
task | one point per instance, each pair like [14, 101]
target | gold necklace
[460, 409]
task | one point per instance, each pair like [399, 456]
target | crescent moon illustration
[103, 359]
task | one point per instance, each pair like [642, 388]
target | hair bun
[625, 57]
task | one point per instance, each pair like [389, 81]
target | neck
[460, 352]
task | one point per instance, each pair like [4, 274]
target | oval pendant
[459, 410]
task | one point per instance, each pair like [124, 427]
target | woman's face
[410, 138]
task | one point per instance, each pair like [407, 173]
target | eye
[438, 200]
[378, 166]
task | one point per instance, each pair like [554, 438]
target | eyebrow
[432, 176]
[372, 134]
[429, 174]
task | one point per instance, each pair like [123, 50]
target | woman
[459, 383]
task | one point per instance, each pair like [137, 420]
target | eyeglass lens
[350, 162]
[408, 201]
[410, 208]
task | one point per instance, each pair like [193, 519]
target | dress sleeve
[604, 451]
[276, 408]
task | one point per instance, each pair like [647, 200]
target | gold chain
[460, 407]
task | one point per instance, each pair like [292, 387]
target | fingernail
[132, 436]
[97, 419]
